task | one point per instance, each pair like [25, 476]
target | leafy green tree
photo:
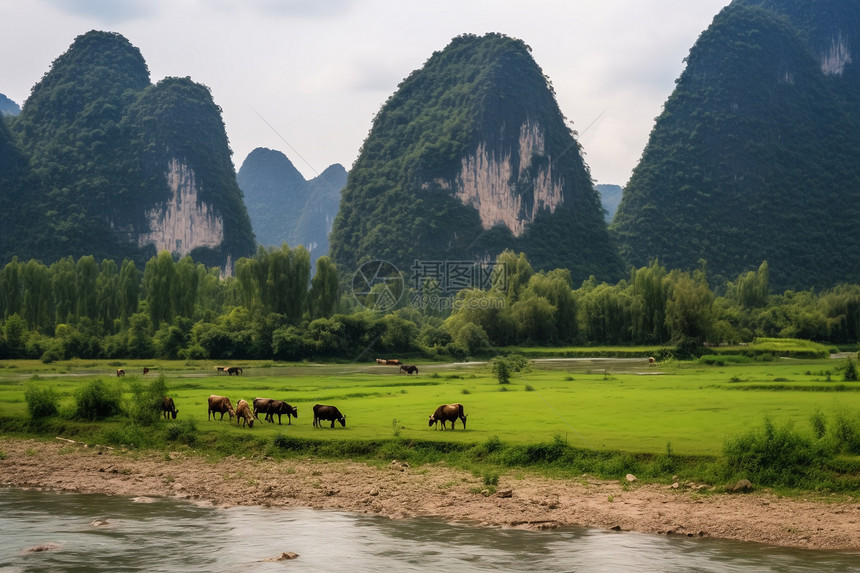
[161, 284]
[689, 308]
[87, 273]
[64, 287]
[325, 289]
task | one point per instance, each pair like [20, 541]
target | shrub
[846, 431]
[41, 402]
[819, 426]
[776, 456]
[504, 366]
[97, 400]
[184, 431]
[144, 406]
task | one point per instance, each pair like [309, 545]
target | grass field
[688, 408]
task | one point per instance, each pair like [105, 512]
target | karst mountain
[102, 162]
[470, 156]
[755, 155]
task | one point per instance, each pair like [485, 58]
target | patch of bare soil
[400, 491]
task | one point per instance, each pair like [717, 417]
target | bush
[97, 400]
[846, 431]
[184, 431]
[504, 366]
[144, 406]
[42, 402]
[776, 456]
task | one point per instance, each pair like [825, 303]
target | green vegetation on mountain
[286, 208]
[481, 99]
[98, 137]
[754, 155]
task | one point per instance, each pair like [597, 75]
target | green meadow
[599, 404]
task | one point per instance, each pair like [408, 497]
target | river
[91, 533]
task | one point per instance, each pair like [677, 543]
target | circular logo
[377, 285]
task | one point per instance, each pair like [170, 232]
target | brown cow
[380, 361]
[145, 370]
[327, 413]
[244, 413]
[168, 407]
[393, 362]
[408, 369]
[120, 372]
[448, 413]
[261, 406]
[222, 405]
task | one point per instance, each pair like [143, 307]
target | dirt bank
[399, 491]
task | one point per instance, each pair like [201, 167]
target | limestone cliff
[486, 182]
[184, 222]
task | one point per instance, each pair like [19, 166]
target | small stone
[631, 478]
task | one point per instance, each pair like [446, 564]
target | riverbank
[399, 491]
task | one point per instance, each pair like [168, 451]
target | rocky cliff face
[184, 222]
[488, 183]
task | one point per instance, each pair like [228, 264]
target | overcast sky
[307, 76]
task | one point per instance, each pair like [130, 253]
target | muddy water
[100, 533]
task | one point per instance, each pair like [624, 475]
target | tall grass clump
[144, 406]
[41, 402]
[777, 456]
[97, 400]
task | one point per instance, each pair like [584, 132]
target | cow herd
[246, 413]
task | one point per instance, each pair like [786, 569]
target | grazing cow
[220, 369]
[261, 406]
[651, 360]
[231, 370]
[393, 362]
[281, 408]
[120, 372]
[327, 413]
[222, 405]
[448, 413]
[145, 370]
[244, 413]
[381, 361]
[168, 408]
[408, 369]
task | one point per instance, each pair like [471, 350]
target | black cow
[281, 408]
[448, 413]
[231, 370]
[327, 413]
[408, 369]
[168, 408]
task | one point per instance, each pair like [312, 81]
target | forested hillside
[754, 156]
[470, 156]
[284, 207]
[121, 168]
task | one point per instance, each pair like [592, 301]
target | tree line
[272, 308]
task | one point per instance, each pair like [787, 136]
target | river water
[84, 532]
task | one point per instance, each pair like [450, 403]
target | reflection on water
[101, 533]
